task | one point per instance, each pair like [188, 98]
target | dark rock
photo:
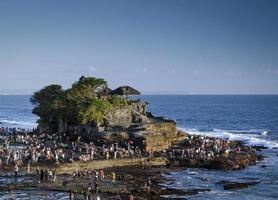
[223, 182]
[235, 185]
[259, 148]
[234, 161]
[172, 191]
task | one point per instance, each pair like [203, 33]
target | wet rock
[204, 179]
[234, 161]
[172, 191]
[223, 182]
[236, 185]
[259, 148]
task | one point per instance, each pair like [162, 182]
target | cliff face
[129, 122]
[159, 135]
[135, 112]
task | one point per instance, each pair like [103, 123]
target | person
[54, 176]
[28, 168]
[118, 197]
[101, 172]
[87, 195]
[113, 177]
[1, 166]
[46, 175]
[41, 175]
[11, 192]
[131, 197]
[71, 195]
[15, 169]
[149, 182]
[38, 171]
[96, 187]
[238, 149]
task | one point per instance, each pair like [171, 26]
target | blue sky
[156, 46]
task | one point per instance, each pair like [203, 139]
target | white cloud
[145, 69]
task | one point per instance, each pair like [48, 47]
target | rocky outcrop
[224, 161]
[239, 185]
[135, 112]
[159, 135]
[132, 122]
[232, 162]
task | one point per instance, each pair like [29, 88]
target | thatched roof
[125, 90]
[104, 93]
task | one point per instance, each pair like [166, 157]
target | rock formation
[131, 122]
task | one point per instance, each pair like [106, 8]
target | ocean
[252, 119]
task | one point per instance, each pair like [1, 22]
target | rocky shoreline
[133, 174]
[234, 161]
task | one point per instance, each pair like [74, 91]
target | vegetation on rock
[78, 105]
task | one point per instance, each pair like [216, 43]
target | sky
[155, 46]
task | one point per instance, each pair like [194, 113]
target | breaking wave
[252, 137]
[17, 123]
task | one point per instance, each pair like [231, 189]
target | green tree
[49, 103]
[81, 96]
[117, 101]
[85, 90]
[78, 105]
[95, 111]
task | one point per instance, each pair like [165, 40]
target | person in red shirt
[131, 197]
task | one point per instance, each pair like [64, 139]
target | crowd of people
[203, 147]
[28, 147]
[57, 148]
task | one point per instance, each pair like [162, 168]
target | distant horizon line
[161, 94]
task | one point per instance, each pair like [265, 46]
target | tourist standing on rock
[148, 183]
[96, 187]
[87, 195]
[1, 166]
[54, 176]
[238, 149]
[101, 172]
[28, 168]
[131, 197]
[7, 158]
[11, 192]
[46, 175]
[118, 197]
[15, 169]
[38, 171]
[113, 174]
[41, 175]
[96, 175]
[71, 195]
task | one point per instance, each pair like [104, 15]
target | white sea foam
[253, 137]
[18, 123]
